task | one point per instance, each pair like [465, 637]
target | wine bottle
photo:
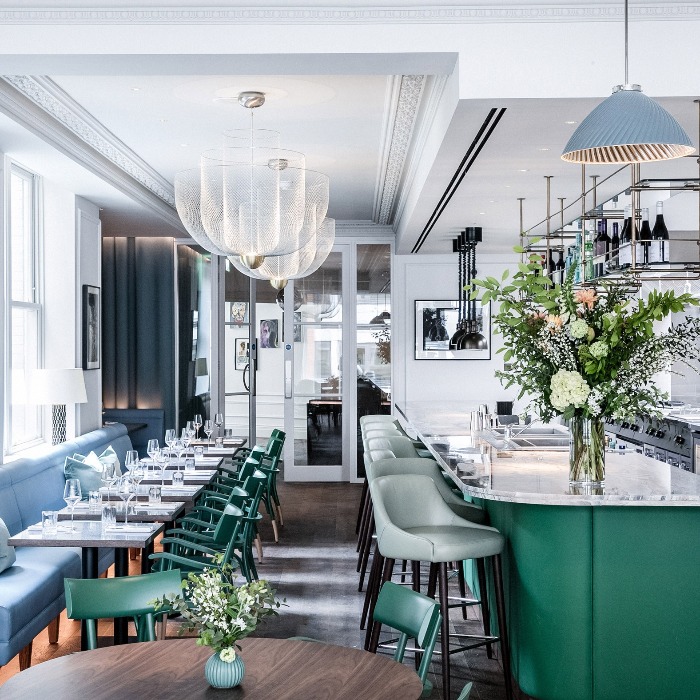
[625, 251]
[615, 245]
[601, 248]
[644, 239]
[551, 266]
[658, 249]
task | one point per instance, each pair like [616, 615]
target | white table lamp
[57, 387]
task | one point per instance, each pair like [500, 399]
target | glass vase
[587, 451]
[224, 674]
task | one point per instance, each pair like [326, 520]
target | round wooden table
[275, 668]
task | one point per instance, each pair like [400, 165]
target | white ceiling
[336, 109]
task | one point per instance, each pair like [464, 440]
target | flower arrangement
[588, 352]
[221, 611]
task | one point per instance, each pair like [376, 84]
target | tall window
[23, 315]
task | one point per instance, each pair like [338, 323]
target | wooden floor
[313, 568]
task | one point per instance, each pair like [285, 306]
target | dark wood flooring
[313, 567]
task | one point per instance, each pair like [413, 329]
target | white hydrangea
[228, 655]
[578, 328]
[568, 389]
[599, 349]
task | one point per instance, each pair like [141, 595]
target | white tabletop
[541, 477]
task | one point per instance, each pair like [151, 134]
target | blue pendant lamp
[628, 127]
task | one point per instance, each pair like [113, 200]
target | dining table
[89, 535]
[282, 669]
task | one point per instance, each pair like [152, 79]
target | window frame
[34, 304]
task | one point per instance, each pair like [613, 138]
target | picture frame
[436, 323]
[242, 350]
[92, 327]
[269, 333]
[239, 313]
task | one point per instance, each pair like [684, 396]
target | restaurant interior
[259, 348]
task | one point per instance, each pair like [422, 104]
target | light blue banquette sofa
[31, 591]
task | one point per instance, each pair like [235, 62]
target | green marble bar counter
[603, 588]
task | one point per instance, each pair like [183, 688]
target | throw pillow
[109, 455]
[7, 552]
[87, 470]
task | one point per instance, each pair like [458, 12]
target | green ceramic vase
[223, 674]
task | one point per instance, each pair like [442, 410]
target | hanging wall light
[627, 127]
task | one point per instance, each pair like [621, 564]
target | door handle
[246, 370]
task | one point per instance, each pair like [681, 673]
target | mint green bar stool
[413, 522]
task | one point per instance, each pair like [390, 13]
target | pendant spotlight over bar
[627, 127]
[254, 202]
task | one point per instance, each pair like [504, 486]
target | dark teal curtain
[138, 316]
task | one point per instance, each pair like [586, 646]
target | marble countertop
[482, 470]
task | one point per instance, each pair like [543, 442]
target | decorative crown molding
[403, 121]
[440, 14]
[52, 99]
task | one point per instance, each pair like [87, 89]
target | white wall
[425, 277]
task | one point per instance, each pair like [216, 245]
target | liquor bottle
[551, 267]
[578, 274]
[560, 268]
[615, 245]
[658, 249]
[601, 248]
[644, 239]
[589, 255]
[625, 252]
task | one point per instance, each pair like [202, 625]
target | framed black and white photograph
[436, 324]
[242, 346]
[92, 332]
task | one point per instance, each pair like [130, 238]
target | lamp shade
[56, 386]
[627, 127]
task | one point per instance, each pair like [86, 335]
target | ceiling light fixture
[627, 127]
[257, 204]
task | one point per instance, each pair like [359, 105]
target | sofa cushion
[7, 551]
[87, 470]
[34, 582]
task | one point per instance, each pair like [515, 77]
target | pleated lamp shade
[627, 127]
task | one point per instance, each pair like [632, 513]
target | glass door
[315, 392]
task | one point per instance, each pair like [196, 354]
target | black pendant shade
[467, 336]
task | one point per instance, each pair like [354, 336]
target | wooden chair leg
[502, 628]
[484, 597]
[53, 629]
[274, 530]
[133, 553]
[366, 548]
[163, 627]
[372, 593]
[376, 626]
[280, 517]
[432, 580]
[364, 523]
[366, 532]
[462, 586]
[25, 657]
[445, 629]
[259, 548]
[361, 509]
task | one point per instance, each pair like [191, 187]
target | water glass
[218, 442]
[178, 478]
[109, 517]
[228, 432]
[94, 501]
[198, 452]
[49, 522]
[189, 464]
[154, 494]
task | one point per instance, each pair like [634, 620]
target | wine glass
[218, 422]
[189, 426]
[126, 490]
[186, 438]
[138, 472]
[108, 476]
[131, 458]
[71, 495]
[170, 438]
[152, 449]
[179, 449]
[197, 422]
[162, 460]
[208, 429]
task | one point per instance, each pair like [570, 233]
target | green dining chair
[415, 616]
[123, 596]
